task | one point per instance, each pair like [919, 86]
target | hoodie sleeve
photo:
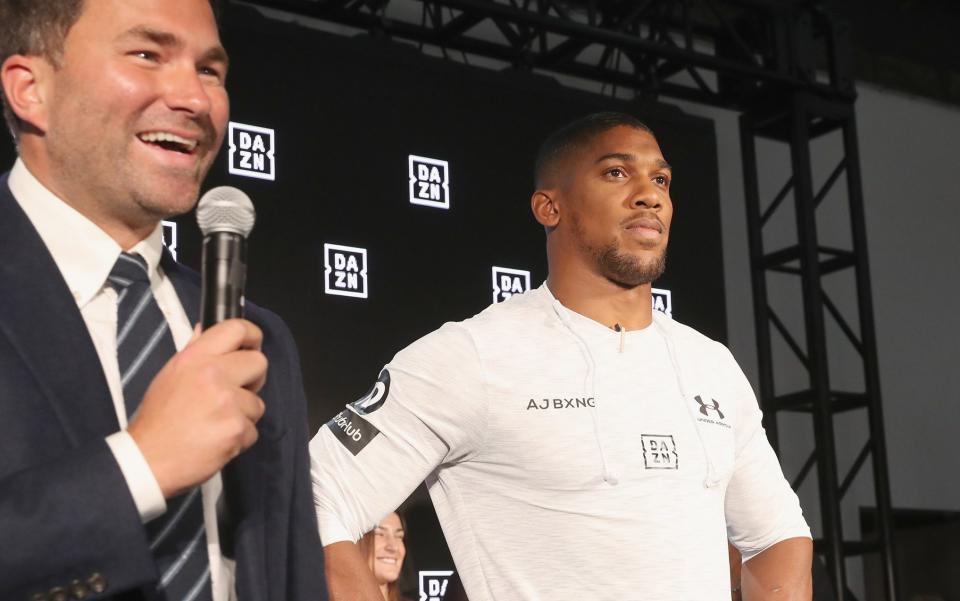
[427, 408]
[760, 507]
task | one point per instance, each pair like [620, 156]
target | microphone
[225, 216]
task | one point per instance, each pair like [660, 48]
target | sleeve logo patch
[375, 397]
[352, 431]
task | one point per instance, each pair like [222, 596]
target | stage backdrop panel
[392, 194]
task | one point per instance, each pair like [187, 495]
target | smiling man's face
[136, 109]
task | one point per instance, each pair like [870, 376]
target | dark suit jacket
[66, 513]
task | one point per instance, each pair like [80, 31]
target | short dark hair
[573, 136]
[38, 28]
[34, 28]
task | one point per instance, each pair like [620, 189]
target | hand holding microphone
[201, 409]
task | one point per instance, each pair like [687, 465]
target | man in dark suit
[120, 421]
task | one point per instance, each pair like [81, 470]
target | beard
[623, 269]
[627, 271]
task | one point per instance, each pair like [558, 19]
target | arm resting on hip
[781, 572]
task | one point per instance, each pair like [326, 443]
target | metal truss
[796, 120]
[784, 65]
[714, 52]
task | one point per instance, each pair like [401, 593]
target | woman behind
[383, 546]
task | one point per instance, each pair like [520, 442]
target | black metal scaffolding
[785, 66]
[796, 122]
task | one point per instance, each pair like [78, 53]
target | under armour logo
[704, 407]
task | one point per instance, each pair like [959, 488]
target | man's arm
[72, 517]
[736, 564]
[764, 518]
[304, 553]
[782, 572]
[349, 578]
[428, 408]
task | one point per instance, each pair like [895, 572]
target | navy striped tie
[144, 344]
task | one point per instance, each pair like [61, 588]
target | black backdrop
[346, 114]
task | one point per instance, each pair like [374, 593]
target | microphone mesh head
[225, 209]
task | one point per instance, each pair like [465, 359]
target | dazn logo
[508, 282]
[429, 182]
[345, 270]
[252, 151]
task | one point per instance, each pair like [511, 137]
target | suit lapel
[40, 318]
[185, 282]
[244, 478]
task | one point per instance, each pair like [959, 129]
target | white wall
[910, 161]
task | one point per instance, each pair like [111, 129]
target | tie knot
[129, 268]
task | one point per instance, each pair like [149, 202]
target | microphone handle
[224, 275]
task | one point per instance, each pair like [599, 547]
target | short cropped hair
[34, 28]
[38, 28]
[574, 136]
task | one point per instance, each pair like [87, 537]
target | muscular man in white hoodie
[576, 444]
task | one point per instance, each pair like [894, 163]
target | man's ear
[546, 209]
[24, 79]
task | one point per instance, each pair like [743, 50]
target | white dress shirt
[85, 255]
